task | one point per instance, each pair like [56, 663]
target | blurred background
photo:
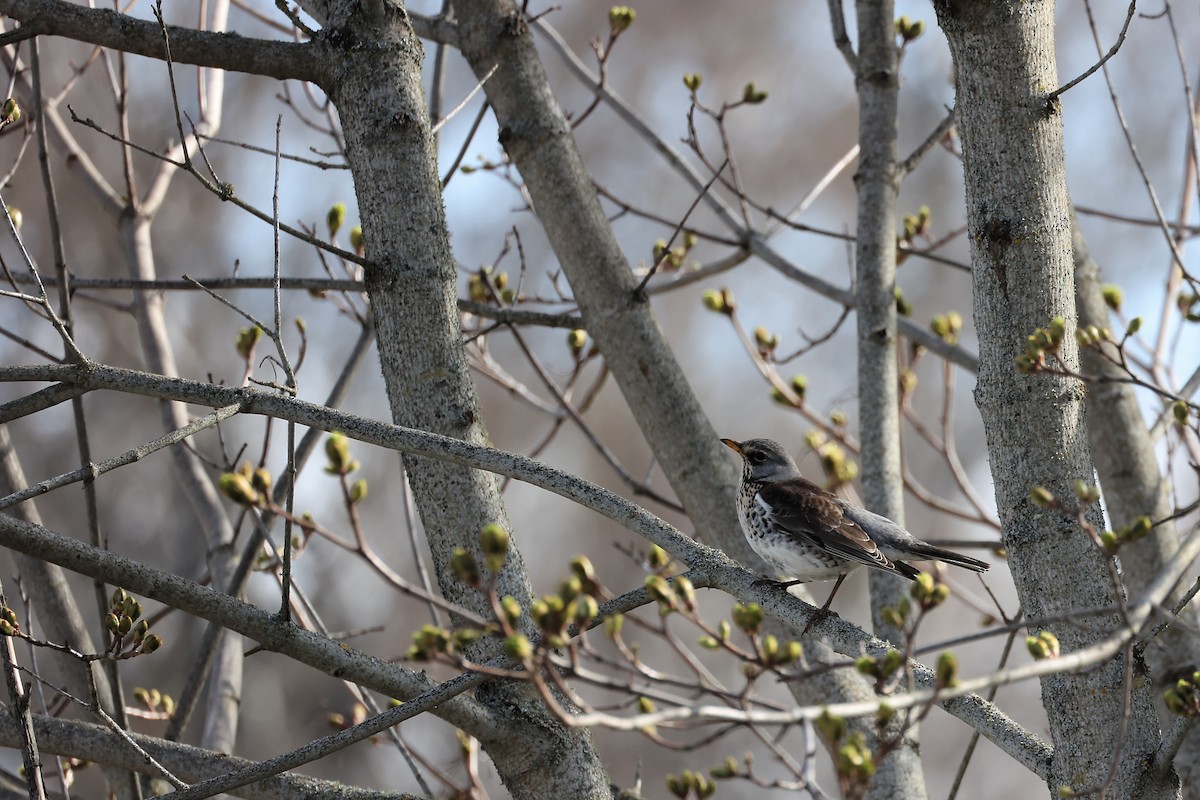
[783, 147]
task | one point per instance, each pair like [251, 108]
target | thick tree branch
[228, 51]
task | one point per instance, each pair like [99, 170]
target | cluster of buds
[839, 468]
[1043, 342]
[752, 94]
[1184, 697]
[880, 668]
[909, 30]
[914, 225]
[748, 617]
[482, 282]
[672, 258]
[572, 605]
[928, 592]
[729, 768]
[773, 654]
[852, 757]
[620, 18]
[1043, 646]
[494, 544]
[671, 595]
[9, 625]
[1111, 540]
[766, 341]
[689, 782]
[123, 619]
[897, 615]
[155, 701]
[947, 327]
[798, 384]
[247, 486]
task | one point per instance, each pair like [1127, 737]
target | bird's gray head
[764, 460]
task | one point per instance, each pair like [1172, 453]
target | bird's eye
[756, 457]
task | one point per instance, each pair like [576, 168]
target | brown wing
[809, 512]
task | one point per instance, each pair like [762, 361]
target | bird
[810, 534]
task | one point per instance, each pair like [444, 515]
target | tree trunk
[877, 180]
[1018, 219]
[377, 89]
[1128, 469]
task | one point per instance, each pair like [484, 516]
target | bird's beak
[732, 445]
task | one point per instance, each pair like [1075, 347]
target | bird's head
[764, 460]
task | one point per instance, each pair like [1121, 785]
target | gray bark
[1126, 464]
[376, 86]
[877, 180]
[1018, 220]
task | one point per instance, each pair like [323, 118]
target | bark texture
[374, 78]
[1133, 487]
[1018, 218]
[877, 180]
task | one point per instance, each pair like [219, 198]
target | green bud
[903, 307]
[1113, 296]
[646, 705]
[660, 590]
[692, 81]
[464, 567]
[867, 665]
[140, 630]
[1109, 541]
[885, 714]
[613, 625]
[494, 541]
[1135, 325]
[235, 486]
[337, 450]
[576, 341]
[583, 609]
[766, 340]
[799, 386]
[335, 218]
[708, 643]
[511, 608]
[570, 588]
[1041, 497]
[686, 592]
[6, 628]
[518, 647]
[1139, 528]
[10, 113]
[947, 670]
[1085, 492]
[753, 95]
[677, 786]
[16, 216]
[1181, 411]
[247, 339]
[658, 558]
[356, 240]
[358, 491]
[892, 661]
[714, 301]
[620, 18]
[748, 617]
[725, 770]
[832, 728]
[151, 643]
[260, 479]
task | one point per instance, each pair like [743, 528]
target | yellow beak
[732, 445]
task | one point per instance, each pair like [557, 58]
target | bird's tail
[920, 550]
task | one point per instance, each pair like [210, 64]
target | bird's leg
[825, 608]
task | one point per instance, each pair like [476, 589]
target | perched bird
[810, 534]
